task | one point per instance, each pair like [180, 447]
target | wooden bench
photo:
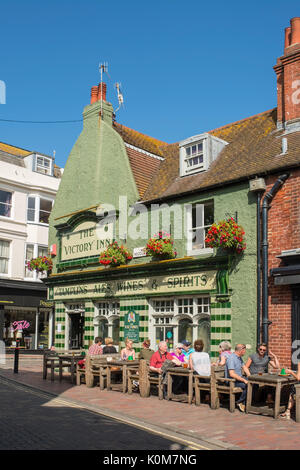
[50, 361]
[95, 366]
[146, 378]
[222, 385]
[201, 386]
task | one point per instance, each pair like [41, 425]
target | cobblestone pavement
[217, 428]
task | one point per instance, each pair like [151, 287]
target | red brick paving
[246, 431]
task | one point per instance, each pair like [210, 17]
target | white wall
[23, 182]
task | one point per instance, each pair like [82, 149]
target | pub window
[116, 330]
[204, 331]
[103, 328]
[199, 219]
[185, 330]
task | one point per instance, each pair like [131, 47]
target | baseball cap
[185, 343]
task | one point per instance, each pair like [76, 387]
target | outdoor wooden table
[271, 380]
[51, 361]
[69, 360]
[181, 372]
[123, 366]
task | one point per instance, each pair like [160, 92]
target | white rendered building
[28, 185]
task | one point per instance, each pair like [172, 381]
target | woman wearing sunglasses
[258, 364]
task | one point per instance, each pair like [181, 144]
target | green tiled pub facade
[163, 306]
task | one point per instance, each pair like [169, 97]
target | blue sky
[185, 67]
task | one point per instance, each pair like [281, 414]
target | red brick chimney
[288, 78]
[97, 92]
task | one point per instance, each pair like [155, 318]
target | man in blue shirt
[187, 350]
[234, 369]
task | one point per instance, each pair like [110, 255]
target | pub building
[119, 184]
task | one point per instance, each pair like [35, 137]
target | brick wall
[283, 234]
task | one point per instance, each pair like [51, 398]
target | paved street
[34, 421]
[186, 425]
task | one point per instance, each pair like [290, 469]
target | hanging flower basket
[115, 255]
[40, 264]
[228, 235]
[161, 247]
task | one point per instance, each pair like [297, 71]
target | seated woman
[224, 353]
[128, 351]
[258, 363]
[199, 361]
[109, 348]
[178, 355]
[292, 397]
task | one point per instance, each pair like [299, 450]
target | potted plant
[161, 246]
[115, 255]
[40, 264]
[228, 235]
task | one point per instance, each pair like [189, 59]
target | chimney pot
[102, 91]
[287, 41]
[295, 30]
[94, 94]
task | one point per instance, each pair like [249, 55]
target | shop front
[26, 316]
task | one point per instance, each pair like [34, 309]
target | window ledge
[204, 251]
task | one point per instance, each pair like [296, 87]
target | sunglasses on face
[261, 349]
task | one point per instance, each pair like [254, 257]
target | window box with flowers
[228, 235]
[161, 247]
[115, 255]
[40, 264]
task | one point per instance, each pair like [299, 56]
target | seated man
[96, 348]
[159, 357]
[187, 349]
[234, 369]
[146, 353]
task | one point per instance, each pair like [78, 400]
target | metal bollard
[16, 359]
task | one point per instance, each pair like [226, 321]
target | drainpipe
[259, 196]
[265, 207]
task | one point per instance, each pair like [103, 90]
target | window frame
[8, 274]
[10, 204]
[37, 209]
[49, 168]
[189, 228]
[35, 276]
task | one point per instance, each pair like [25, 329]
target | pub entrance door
[76, 331]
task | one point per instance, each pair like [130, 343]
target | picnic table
[123, 365]
[271, 380]
[179, 371]
[69, 360]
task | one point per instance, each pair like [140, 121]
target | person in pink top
[178, 354]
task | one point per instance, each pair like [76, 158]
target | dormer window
[43, 165]
[194, 156]
[198, 152]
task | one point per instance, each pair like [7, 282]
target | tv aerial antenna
[120, 96]
[103, 68]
